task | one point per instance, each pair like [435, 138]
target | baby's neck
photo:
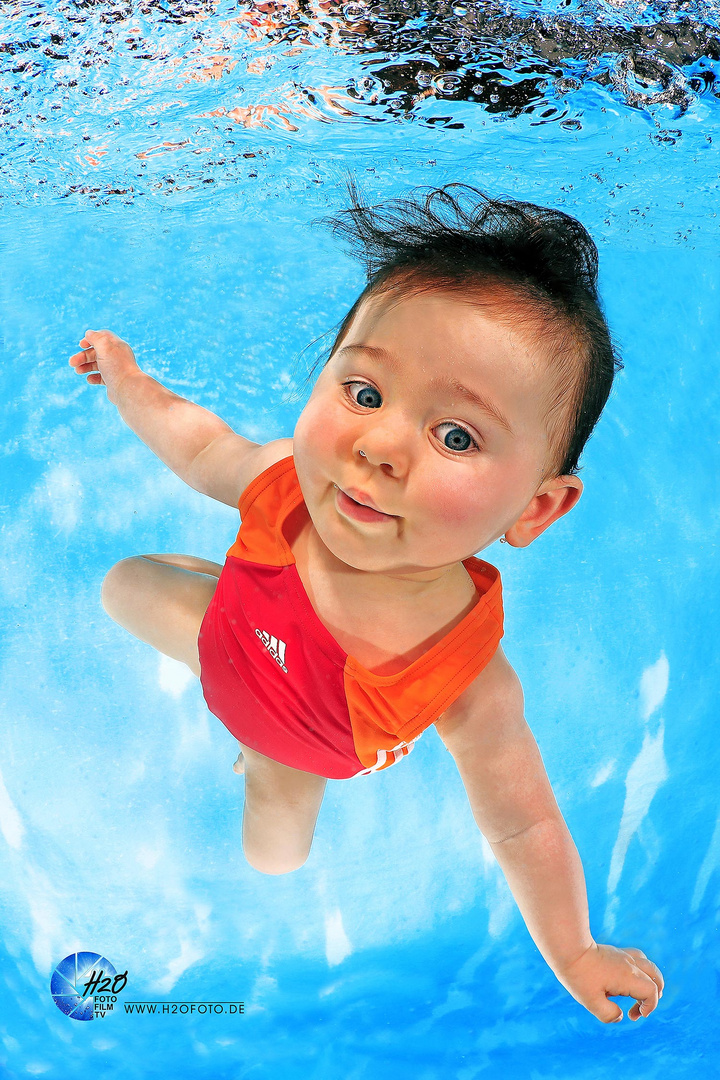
[395, 584]
[385, 620]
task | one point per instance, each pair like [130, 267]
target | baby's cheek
[453, 505]
[316, 426]
[318, 448]
[308, 437]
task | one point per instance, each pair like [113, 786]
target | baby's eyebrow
[447, 383]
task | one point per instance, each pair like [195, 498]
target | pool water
[162, 168]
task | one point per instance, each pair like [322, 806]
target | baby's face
[450, 476]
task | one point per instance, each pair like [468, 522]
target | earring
[363, 454]
[503, 540]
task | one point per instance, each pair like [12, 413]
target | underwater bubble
[447, 84]
[367, 84]
[646, 79]
[353, 12]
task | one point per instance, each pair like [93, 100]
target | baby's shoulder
[260, 457]
[264, 456]
[230, 463]
[494, 698]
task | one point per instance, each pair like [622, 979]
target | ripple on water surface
[107, 99]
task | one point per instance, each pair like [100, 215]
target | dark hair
[536, 267]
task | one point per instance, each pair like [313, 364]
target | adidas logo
[274, 646]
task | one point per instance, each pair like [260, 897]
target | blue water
[397, 950]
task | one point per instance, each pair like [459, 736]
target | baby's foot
[239, 766]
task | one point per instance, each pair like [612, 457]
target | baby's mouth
[356, 510]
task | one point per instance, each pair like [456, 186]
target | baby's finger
[645, 991]
[648, 967]
[654, 972]
[85, 366]
[605, 1009]
[85, 356]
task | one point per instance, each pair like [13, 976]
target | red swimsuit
[279, 681]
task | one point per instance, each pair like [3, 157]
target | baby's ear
[554, 498]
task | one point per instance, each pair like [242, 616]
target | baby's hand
[604, 971]
[106, 360]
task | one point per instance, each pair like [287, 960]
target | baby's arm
[514, 806]
[198, 446]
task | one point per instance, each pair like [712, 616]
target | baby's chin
[364, 553]
[385, 557]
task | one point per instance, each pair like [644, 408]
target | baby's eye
[457, 438]
[368, 396]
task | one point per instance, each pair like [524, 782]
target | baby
[351, 612]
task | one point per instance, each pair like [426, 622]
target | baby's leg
[139, 597]
[162, 599]
[281, 809]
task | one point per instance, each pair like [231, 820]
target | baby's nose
[382, 452]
